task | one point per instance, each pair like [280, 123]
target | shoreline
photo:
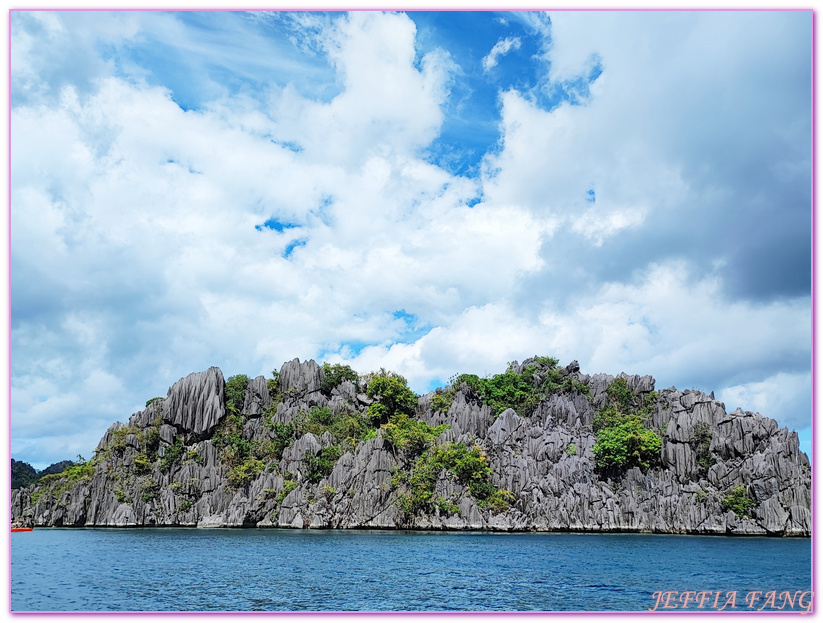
[490, 531]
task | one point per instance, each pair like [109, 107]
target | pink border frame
[814, 302]
[427, 613]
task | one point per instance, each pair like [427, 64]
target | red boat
[22, 529]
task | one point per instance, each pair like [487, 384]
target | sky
[429, 192]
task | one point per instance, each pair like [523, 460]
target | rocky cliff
[320, 447]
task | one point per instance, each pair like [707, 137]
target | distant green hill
[55, 468]
[23, 474]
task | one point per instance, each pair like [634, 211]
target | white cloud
[577, 39]
[387, 106]
[142, 217]
[51, 50]
[679, 329]
[550, 160]
[501, 48]
[784, 396]
[480, 340]
[596, 226]
[664, 323]
[136, 259]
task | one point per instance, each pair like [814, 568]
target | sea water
[170, 569]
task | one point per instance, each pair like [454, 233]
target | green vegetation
[142, 465]
[410, 436]
[229, 441]
[151, 401]
[392, 396]
[468, 465]
[626, 444]
[193, 455]
[185, 505]
[447, 507]
[56, 468]
[149, 489]
[236, 393]
[738, 501]
[620, 395]
[571, 450]
[701, 496]
[150, 441]
[499, 501]
[620, 402]
[117, 445]
[148, 445]
[56, 484]
[347, 427]
[283, 438]
[288, 487]
[316, 421]
[246, 458]
[623, 440]
[321, 465]
[273, 385]
[350, 428]
[521, 392]
[510, 391]
[171, 455]
[334, 374]
[701, 441]
[443, 398]
[74, 473]
[120, 495]
[22, 474]
[243, 473]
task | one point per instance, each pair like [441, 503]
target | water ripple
[278, 570]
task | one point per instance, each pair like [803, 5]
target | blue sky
[430, 192]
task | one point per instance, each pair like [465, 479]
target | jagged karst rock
[196, 403]
[257, 398]
[507, 428]
[174, 464]
[464, 417]
[300, 378]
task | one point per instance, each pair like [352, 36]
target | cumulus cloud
[597, 226]
[669, 129]
[387, 104]
[784, 396]
[664, 322]
[50, 51]
[305, 218]
[149, 221]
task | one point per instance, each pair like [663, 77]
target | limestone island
[537, 448]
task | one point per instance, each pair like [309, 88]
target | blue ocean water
[169, 569]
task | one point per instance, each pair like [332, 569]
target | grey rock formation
[179, 462]
[300, 379]
[257, 398]
[196, 403]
